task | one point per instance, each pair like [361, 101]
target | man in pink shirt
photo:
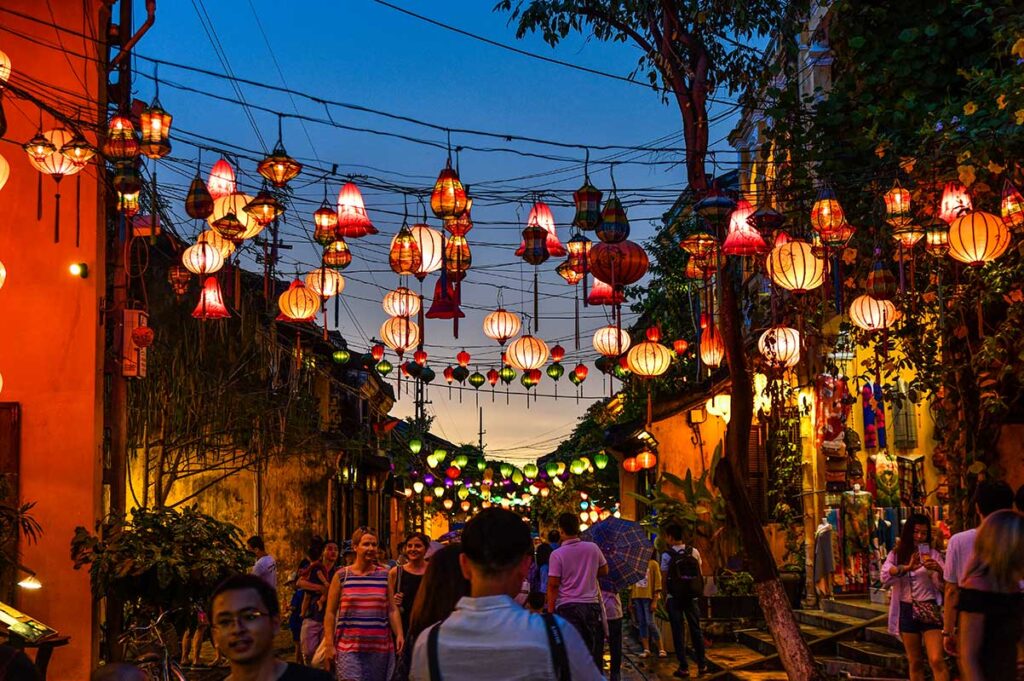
[573, 591]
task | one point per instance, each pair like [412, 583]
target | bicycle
[150, 653]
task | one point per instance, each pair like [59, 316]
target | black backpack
[684, 577]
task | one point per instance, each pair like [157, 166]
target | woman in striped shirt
[360, 603]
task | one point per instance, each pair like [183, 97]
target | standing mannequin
[824, 564]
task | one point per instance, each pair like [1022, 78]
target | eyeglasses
[244, 619]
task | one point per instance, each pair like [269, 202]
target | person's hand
[654, 605]
[398, 599]
[931, 564]
[949, 644]
[399, 644]
[915, 562]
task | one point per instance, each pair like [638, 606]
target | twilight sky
[363, 53]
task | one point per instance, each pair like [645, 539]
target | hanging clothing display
[824, 559]
[857, 529]
[904, 418]
[911, 468]
[832, 409]
[874, 416]
[887, 483]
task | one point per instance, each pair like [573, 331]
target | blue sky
[360, 52]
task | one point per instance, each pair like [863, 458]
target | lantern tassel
[325, 319]
[56, 218]
[578, 317]
[650, 409]
[536, 303]
[78, 210]
[39, 198]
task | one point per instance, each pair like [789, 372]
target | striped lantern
[792, 265]
[353, 221]
[619, 264]
[337, 254]
[199, 202]
[448, 199]
[588, 206]
[298, 304]
[400, 334]
[977, 238]
[872, 314]
[402, 302]
[780, 346]
[527, 353]
[611, 341]
[325, 282]
[431, 244]
[614, 225]
[501, 325]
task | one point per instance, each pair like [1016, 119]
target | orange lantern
[649, 359]
[897, 206]
[211, 304]
[1012, 206]
[401, 302]
[431, 244]
[646, 459]
[448, 199]
[353, 221]
[712, 347]
[527, 353]
[955, 201]
[793, 266]
[325, 224]
[457, 258]
[780, 346]
[827, 215]
[404, 256]
[121, 143]
[872, 314]
[611, 341]
[77, 150]
[325, 282]
[462, 223]
[298, 303]
[222, 180]
[619, 264]
[501, 325]
[230, 219]
[279, 168]
[400, 334]
[631, 465]
[977, 238]
[225, 247]
[265, 208]
[202, 259]
[337, 254]
[680, 347]
[571, 273]
[156, 131]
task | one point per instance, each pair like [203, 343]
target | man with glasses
[245, 616]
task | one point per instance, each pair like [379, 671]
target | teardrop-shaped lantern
[712, 347]
[742, 238]
[404, 255]
[881, 283]
[211, 303]
[199, 202]
[431, 244]
[325, 224]
[457, 257]
[614, 225]
[222, 180]
[402, 302]
[569, 272]
[298, 303]
[353, 221]
[449, 196]
[337, 254]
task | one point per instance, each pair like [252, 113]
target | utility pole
[482, 431]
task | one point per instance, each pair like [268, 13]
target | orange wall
[50, 350]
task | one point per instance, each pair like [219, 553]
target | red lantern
[603, 294]
[743, 239]
[444, 305]
[121, 144]
[557, 353]
[680, 347]
[588, 206]
[619, 264]
[897, 206]
[404, 256]
[337, 255]
[222, 180]
[452, 472]
[956, 202]
[463, 358]
[448, 199]
[353, 222]
[420, 357]
[493, 376]
[156, 131]
[377, 352]
[143, 336]
[630, 465]
[178, 277]
[462, 223]
[211, 304]
[541, 215]
[449, 374]
[581, 371]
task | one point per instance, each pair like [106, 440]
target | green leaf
[908, 35]
[857, 42]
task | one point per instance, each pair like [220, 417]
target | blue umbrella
[626, 548]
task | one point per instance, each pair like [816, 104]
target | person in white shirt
[989, 497]
[682, 605]
[489, 637]
[265, 567]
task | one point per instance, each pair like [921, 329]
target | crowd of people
[499, 605]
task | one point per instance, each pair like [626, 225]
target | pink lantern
[743, 239]
[222, 180]
[542, 216]
[352, 218]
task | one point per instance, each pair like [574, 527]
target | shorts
[908, 625]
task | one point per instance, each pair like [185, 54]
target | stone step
[841, 667]
[854, 607]
[881, 636]
[827, 620]
[759, 676]
[762, 641]
[874, 654]
[723, 655]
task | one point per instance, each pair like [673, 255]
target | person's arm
[553, 584]
[331, 610]
[950, 598]
[972, 629]
[603, 570]
[395, 617]
[602, 564]
[307, 582]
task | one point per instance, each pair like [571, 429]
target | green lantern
[415, 445]
[463, 493]
[620, 372]
[575, 378]
[555, 371]
[600, 460]
[505, 469]
[432, 461]
[552, 469]
[476, 379]
[577, 466]
[440, 454]
[461, 460]
[517, 477]
[507, 374]
[439, 491]
[530, 470]
[481, 464]
[427, 375]
[342, 356]
[384, 367]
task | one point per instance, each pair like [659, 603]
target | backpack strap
[556, 644]
[433, 659]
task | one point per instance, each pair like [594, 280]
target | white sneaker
[645, 653]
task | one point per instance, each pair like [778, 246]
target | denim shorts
[908, 625]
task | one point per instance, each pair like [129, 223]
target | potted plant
[735, 598]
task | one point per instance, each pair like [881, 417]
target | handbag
[926, 612]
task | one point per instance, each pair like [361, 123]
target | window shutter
[757, 472]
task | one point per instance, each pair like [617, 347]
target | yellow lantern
[448, 199]
[400, 334]
[611, 341]
[501, 325]
[231, 221]
[448, 503]
[5, 171]
[211, 237]
[721, 406]
[712, 347]
[649, 359]
[780, 346]
[792, 265]
[977, 238]
[401, 302]
[298, 303]
[872, 314]
[202, 259]
[156, 131]
[527, 353]
[325, 282]
[404, 256]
